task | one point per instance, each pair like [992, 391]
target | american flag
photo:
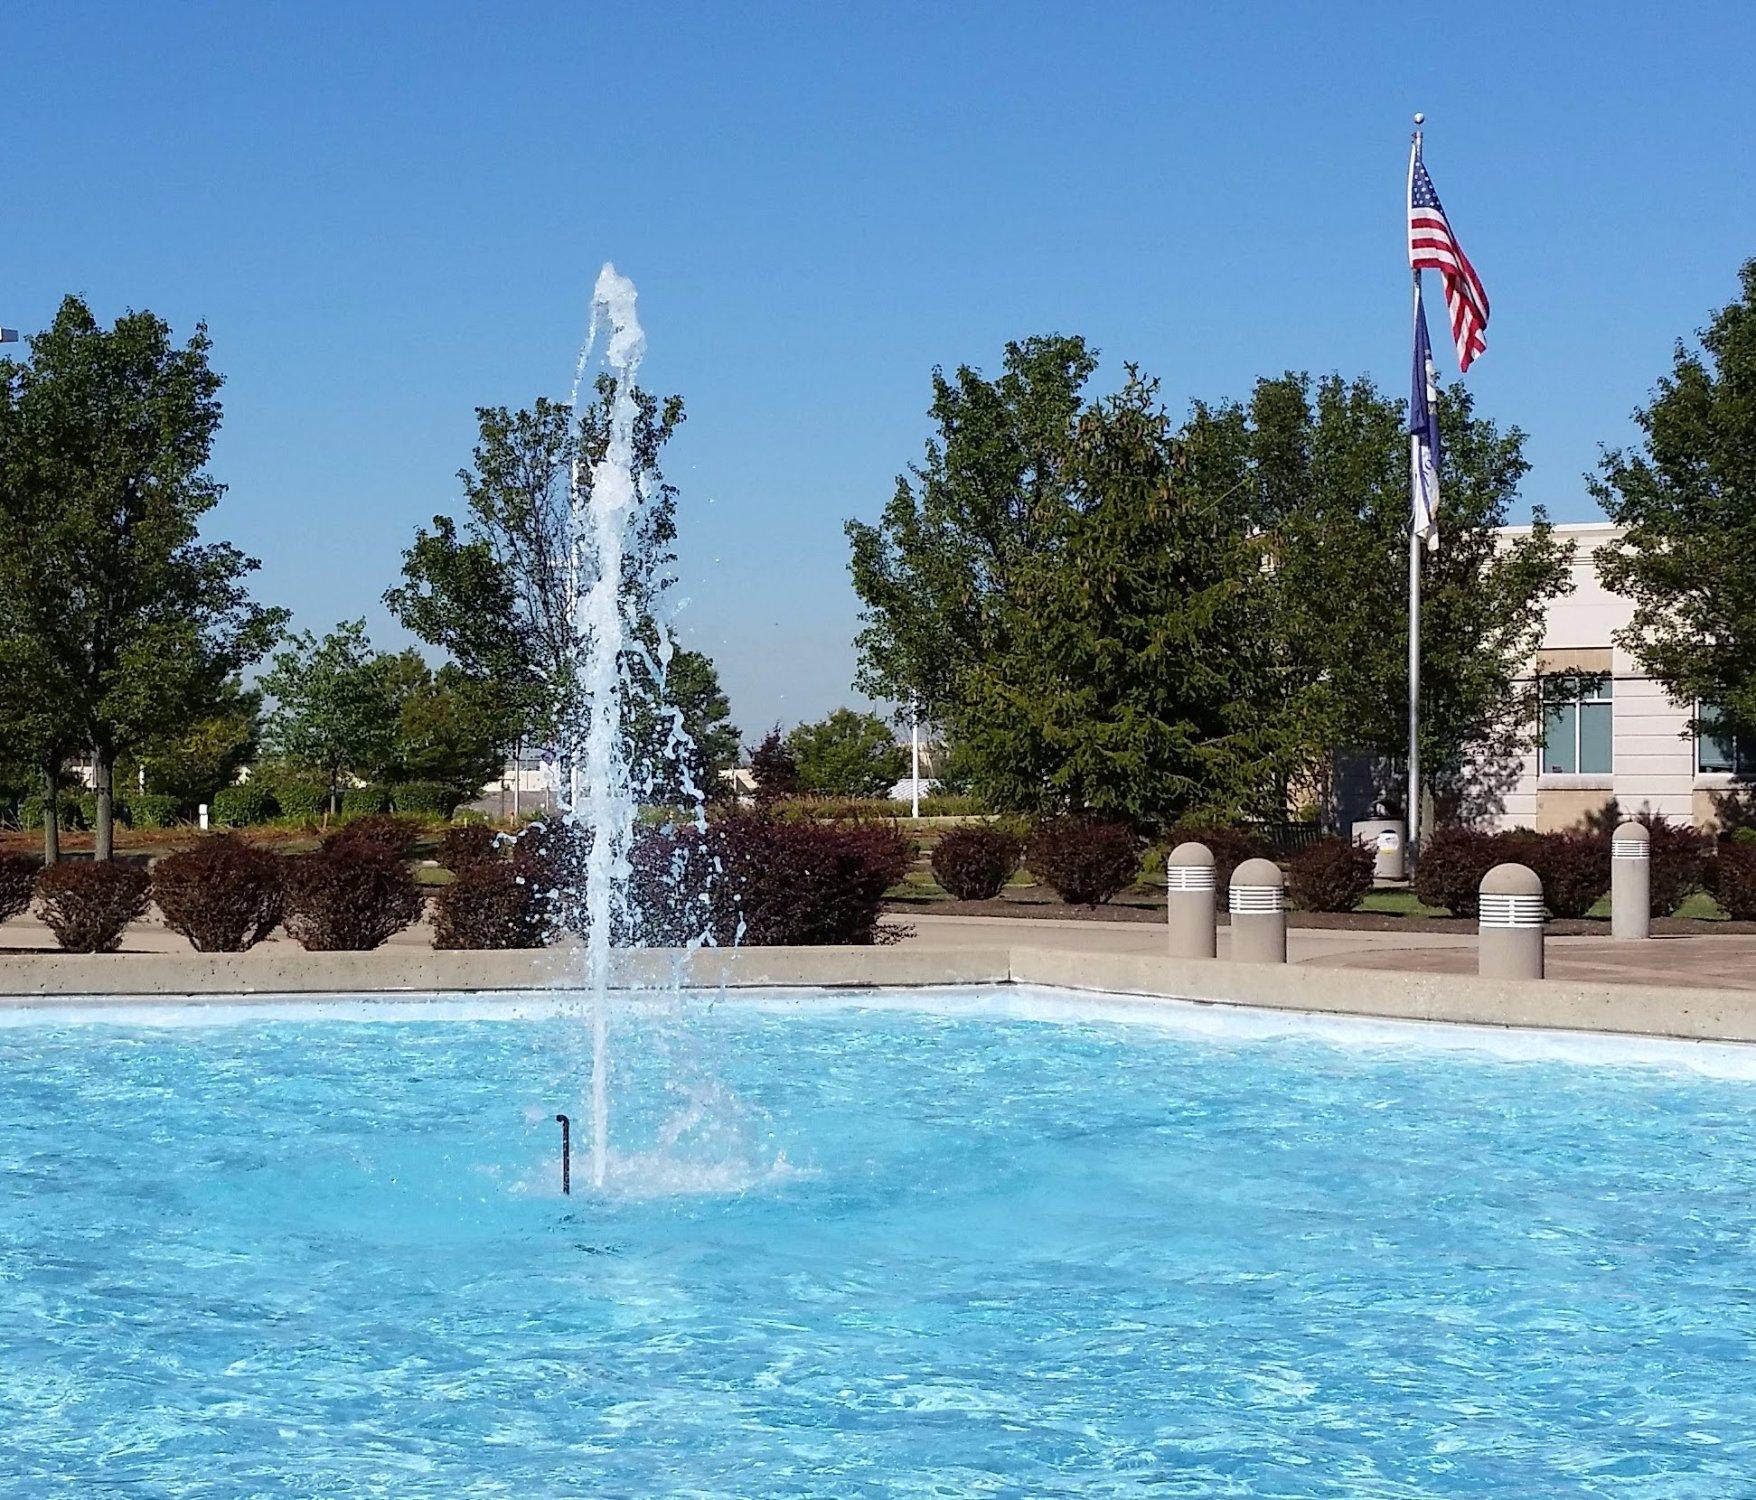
[1433, 247]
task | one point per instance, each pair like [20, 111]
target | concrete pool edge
[1549, 1004]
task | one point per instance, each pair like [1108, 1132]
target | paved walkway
[1711, 962]
[1715, 962]
[150, 935]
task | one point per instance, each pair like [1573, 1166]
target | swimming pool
[1002, 1242]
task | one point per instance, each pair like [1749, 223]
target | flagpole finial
[1420, 119]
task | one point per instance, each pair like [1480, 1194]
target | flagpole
[1414, 573]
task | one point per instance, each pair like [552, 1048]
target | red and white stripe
[1433, 247]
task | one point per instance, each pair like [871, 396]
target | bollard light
[1189, 894]
[1259, 913]
[1509, 933]
[1631, 881]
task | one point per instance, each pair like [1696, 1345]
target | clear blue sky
[389, 213]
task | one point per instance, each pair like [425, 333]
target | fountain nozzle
[566, 1154]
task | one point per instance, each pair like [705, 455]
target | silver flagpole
[1414, 569]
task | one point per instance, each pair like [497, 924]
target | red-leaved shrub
[766, 881]
[1573, 867]
[224, 894]
[550, 857]
[349, 897]
[1679, 858]
[1085, 860]
[492, 903]
[975, 863]
[1452, 861]
[467, 844]
[1330, 875]
[1731, 878]
[18, 878]
[89, 905]
[383, 831]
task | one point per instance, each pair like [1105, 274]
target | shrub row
[226, 895]
[1573, 867]
[263, 799]
[747, 878]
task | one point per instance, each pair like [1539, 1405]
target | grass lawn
[1397, 903]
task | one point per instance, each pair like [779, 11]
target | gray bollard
[1509, 941]
[1189, 900]
[1259, 913]
[1631, 881]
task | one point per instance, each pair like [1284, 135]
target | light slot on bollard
[1259, 913]
[1509, 933]
[1631, 882]
[1189, 901]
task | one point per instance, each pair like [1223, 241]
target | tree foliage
[847, 754]
[1687, 502]
[333, 711]
[1132, 663]
[1106, 612]
[205, 756]
[936, 573]
[1321, 468]
[343, 711]
[118, 623]
[498, 594]
[774, 768]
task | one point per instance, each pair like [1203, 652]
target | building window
[1577, 727]
[1718, 749]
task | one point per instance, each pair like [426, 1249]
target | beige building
[1619, 739]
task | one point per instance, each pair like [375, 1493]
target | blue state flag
[1423, 435]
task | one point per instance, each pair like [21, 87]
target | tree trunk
[103, 774]
[51, 813]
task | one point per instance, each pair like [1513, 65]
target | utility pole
[914, 729]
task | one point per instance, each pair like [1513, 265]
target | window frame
[1743, 749]
[1592, 689]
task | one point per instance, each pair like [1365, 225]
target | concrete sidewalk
[1707, 961]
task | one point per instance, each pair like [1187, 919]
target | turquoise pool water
[1008, 1244]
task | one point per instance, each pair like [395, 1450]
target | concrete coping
[1511, 880]
[38, 980]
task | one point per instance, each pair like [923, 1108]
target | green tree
[450, 727]
[937, 574]
[848, 754]
[1020, 588]
[199, 760]
[681, 736]
[336, 706]
[1320, 468]
[1132, 681]
[498, 594]
[119, 624]
[1686, 500]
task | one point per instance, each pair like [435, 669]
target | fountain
[617, 587]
